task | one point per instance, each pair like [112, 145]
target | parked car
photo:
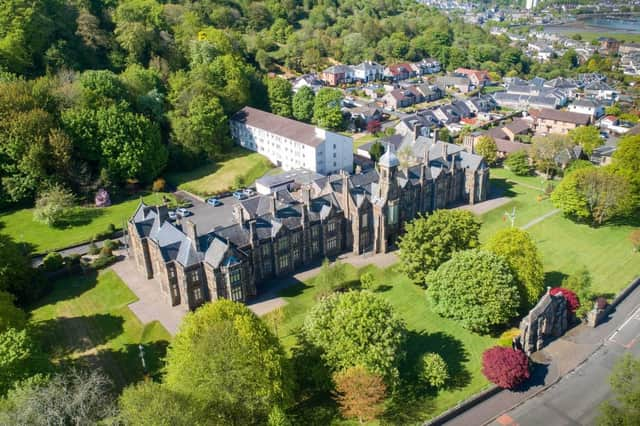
[186, 203]
[240, 195]
[249, 192]
[181, 211]
[213, 201]
[172, 215]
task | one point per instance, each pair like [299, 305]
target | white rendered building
[291, 144]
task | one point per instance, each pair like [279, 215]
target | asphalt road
[575, 399]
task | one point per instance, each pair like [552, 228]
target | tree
[367, 281]
[327, 110]
[519, 250]
[359, 393]
[373, 126]
[580, 284]
[545, 149]
[429, 241]
[626, 162]
[280, 96]
[357, 328]
[518, 163]
[277, 417]
[487, 147]
[303, 102]
[226, 359]
[625, 385]
[20, 358]
[594, 194]
[53, 205]
[434, 370]
[16, 274]
[150, 404]
[73, 397]
[505, 367]
[573, 303]
[10, 315]
[138, 25]
[476, 288]
[330, 278]
[588, 137]
[376, 151]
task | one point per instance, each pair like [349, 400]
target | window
[282, 243]
[236, 293]
[197, 294]
[315, 231]
[332, 243]
[283, 262]
[194, 276]
[174, 291]
[364, 220]
[334, 146]
[296, 253]
[331, 227]
[235, 276]
[392, 214]
[334, 155]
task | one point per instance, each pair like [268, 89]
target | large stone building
[292, 144]
[273, 235]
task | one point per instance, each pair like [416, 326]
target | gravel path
[540, 219]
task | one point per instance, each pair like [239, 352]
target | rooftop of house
[563, 116]
[286, 127]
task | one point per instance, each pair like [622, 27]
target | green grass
[592, 35]
[239, 168]
[565, 246]
[361, 141]
[427, 333]
[83, 224]
[492, 89]
[85, 321]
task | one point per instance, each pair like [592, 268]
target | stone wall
[547, 320]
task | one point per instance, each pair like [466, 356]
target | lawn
[592, 35]
[238, 169]
[83, 224]
[362, 140]
[427, 333]
[85, 321]
[565, 246]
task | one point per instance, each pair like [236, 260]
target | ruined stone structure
[548, 319]
[274, 235]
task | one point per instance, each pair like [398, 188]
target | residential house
[600, 90]
[210, 257]
[504, 146]
[402, 98]
[337, 74]
[426, 66]
[459, 82]
[398, 72]
[368, 71]
[588, 106]
[477, 77]
[429, 93]
[548, 120]
[609, 45]
[292, 144]
[307, 80]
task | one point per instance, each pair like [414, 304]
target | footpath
[555, 361]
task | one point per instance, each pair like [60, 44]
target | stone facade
[548, 319]
[274, 235]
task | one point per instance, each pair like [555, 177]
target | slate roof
[290, 129]
[564, 116]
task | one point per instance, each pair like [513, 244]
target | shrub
[52, 262]
[111, 228]
[103, 261]
[505, 367]
[72, 259]
[573, 302]
[518, 163]
[93, 248]
[106, 251]
[112, 244]
[359, 393]
[158, 185]
[367, 281]
[434, 370]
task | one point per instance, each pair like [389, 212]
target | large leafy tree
[10, 315]
[280, 96]
[303, 102]
[487, 147]
[519, 250]
[138, 26]
[327, 110]
[227, 360]
[626, 162]
[429, 241]
[594, 194]
[588, 137]
[518, 163]
[625, 385]
[357, 328]
[545, 149]
[20, 358]
[359, 393]
[476, 288]
[16, 274]
[73, 397]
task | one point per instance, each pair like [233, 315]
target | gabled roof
[563, 116]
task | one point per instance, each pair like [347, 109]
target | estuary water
[604, 24]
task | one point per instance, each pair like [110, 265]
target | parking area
[207, 217]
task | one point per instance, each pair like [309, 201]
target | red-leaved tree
[505, 367]
[373, 126]
[573, 302]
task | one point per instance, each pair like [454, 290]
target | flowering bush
[505, 367]
[573, 302]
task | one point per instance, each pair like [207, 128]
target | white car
[181, 211]
[172, 215]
